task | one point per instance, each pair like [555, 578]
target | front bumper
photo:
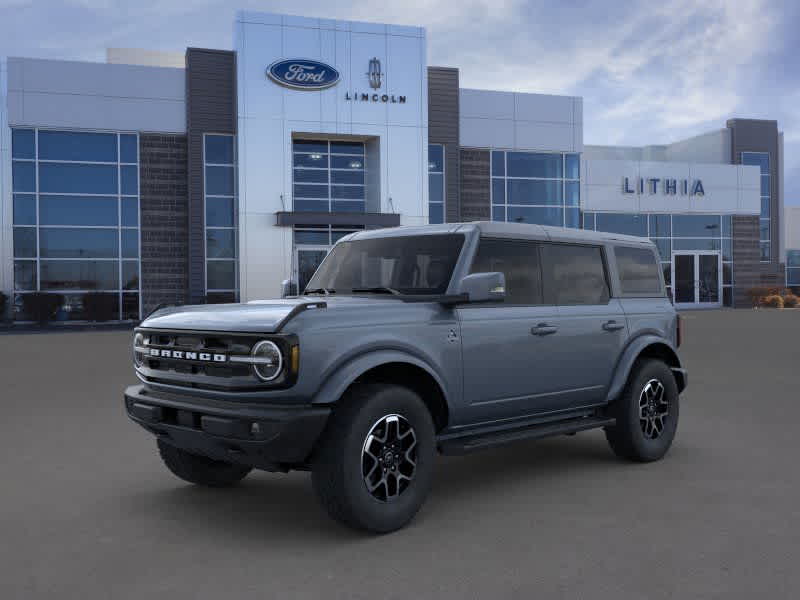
[269, 437]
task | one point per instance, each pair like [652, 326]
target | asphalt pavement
[88, 511]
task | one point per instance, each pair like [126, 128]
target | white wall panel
[539, 135]
[535, 121]
[486, 133]
[723, 186]
[270, 115]
[55, 93]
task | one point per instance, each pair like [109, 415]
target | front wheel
[646, 413]
[373, 467]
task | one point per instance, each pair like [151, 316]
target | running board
[472, 443]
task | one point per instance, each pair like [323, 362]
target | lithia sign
[306, 74]
[667, 186]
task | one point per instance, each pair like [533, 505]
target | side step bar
[464, 445]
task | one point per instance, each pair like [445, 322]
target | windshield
[419, 264]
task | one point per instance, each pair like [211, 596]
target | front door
[697, 279]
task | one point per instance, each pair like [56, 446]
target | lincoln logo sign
[302, 74]
[669, 187]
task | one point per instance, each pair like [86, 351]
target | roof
[503, 229]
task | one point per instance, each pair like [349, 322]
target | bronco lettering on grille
[180, 354]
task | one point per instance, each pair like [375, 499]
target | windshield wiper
[320, 290]
[377, 290]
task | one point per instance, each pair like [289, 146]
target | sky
[649, 72]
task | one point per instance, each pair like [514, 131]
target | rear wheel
[374, 464]
[646, 413]
[198, 469]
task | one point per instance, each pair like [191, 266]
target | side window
[574, 274]
[638, 271]
[519, 262]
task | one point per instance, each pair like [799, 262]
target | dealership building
[213, 175]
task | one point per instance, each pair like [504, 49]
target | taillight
[678, 331]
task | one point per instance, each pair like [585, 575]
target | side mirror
[288, 288]
[483, 287]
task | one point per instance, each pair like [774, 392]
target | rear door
[508, 350]
[592, 329]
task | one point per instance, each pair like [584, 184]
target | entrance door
[697, 279]
[306, 262]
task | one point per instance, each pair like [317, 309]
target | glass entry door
[306, 262]
[697, 279]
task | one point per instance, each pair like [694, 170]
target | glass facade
[536, 187]
[328, 176]
[219, 159]
[761, 160]
[674, 232]
[793, 268]
[76, 219]
[435, 183]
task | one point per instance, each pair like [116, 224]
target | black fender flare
[343, 377]
[646, 343]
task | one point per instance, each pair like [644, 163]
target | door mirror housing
[483, 287]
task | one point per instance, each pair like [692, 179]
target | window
[312, 244]
[638, 271]
[219, 156]
[761, 160]
[76, 217]
[328, 176]
[674, 232]
[793, 268]
[536, 187]
[519, 262]
[436, 183]
[420, 264]
[574, 274]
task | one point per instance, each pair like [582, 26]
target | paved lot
[87, 511]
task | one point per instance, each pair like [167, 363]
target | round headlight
[138, 342]
[268, 361]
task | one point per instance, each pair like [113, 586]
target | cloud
[649, 72]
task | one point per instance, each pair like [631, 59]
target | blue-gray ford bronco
[409, 341]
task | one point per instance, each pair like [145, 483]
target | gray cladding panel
[443, 128]
[210, 108]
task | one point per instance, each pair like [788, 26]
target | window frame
[118, 196]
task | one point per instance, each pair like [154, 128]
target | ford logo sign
[303, 74]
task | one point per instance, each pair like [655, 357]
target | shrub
[790, 301]
[3, 306]
[41, 306]
[757, 295]
[773, 301]
[98, 306]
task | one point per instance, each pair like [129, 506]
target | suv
[409, 341]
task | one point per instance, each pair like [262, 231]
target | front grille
[191, 370]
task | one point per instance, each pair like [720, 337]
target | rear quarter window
[638, 271]
[574, 274]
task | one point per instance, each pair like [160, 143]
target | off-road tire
[628, 438]
[337, 466]
[200, 470]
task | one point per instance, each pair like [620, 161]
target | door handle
[612, 325]
[543, 329]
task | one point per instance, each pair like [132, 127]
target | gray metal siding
[443, 128]
[210, 108]
[753, 135]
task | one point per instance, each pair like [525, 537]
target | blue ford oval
[303, 74]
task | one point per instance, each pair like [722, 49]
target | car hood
[259, 316]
